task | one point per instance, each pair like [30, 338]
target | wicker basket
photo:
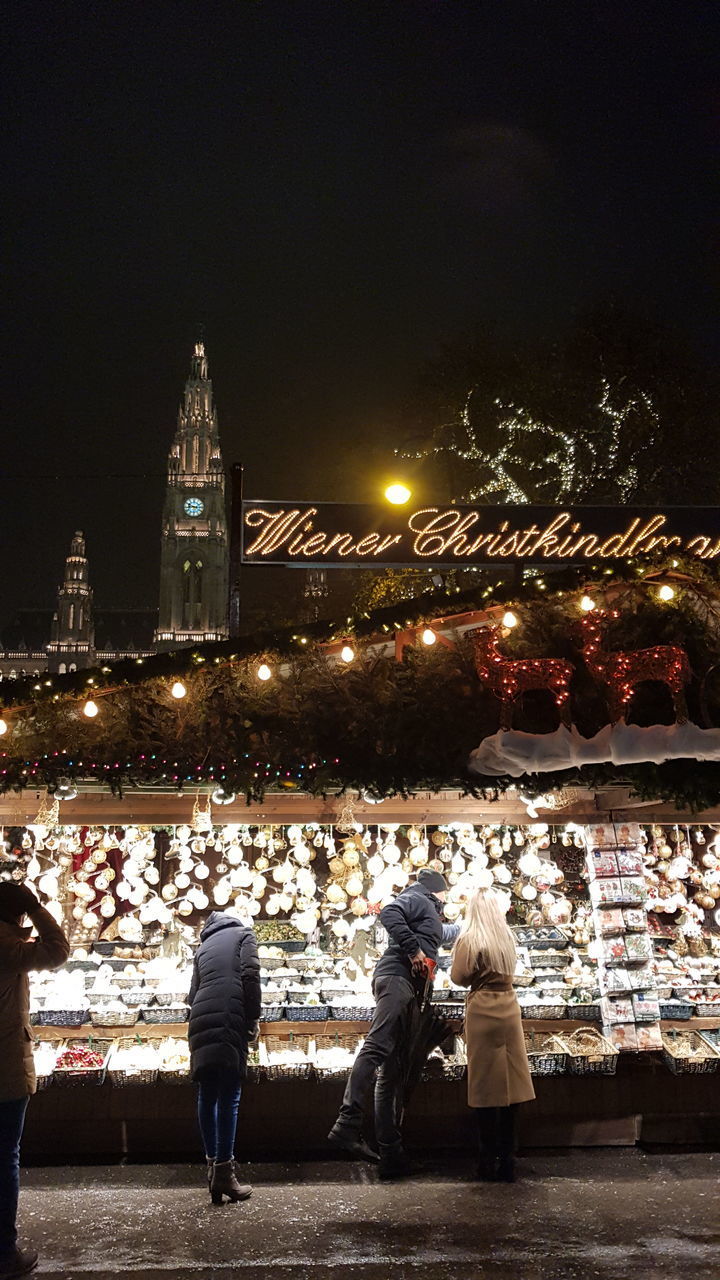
[712, 1035]
[271, 962]
[164, 998]
[306, 1012]
[172, 1075]
[547, 1055]
[548, 960]
[119, 1077]
[42, 1081]
[590, 1053]
[676, 1010]
[339, 1040]
[523, 979]
[548, 1010]
[279, 1071]
[114, 1017]
[589, 1012]
[707, 1009]
[62, 1017]
[351, 1013]
[454, 1010]
[155, 1013]
[69, 1076]
[689, 1053]
[272, 1012]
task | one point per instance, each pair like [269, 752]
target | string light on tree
[90, 709]
[178, 690]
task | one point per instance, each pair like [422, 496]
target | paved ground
[594, 1215]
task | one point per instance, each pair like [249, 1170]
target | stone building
[194, 559]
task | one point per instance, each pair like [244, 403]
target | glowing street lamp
[398, 494]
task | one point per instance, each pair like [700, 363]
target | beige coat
[498, 1072]
[19, 954]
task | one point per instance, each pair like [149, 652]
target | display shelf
[178, 1030]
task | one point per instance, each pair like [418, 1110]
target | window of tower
[62, 668]
[71, 616]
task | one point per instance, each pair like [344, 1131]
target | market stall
[618, 975]
[557, 744]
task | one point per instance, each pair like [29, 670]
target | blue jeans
[218, 1102]
[12, 1118]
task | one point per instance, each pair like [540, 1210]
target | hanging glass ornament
[182, 880]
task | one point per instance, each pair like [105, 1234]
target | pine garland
[377, 725]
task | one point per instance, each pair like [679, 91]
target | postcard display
[618, 894]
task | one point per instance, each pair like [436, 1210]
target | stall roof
[154, 806]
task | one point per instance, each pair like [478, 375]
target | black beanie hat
[432, 880]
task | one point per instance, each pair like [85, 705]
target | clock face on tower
[193, 506]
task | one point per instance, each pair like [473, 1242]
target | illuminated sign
[335, 534]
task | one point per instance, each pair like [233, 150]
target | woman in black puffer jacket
[224, 1011]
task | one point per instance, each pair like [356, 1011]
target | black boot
[394, 1163]
[506, 1143]
[346, 1139]
[487, 1143]
[224, 1183]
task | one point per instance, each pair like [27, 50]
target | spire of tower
[199, 368]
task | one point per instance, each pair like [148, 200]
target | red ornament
[621, 671]
[509, 677]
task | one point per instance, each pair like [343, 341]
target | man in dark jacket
[413, 922]
[224, 1011]
[19, 955]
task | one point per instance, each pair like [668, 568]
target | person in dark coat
[20, 954]
[224, 1012]
[415, 930]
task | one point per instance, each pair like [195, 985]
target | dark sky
[332, 189]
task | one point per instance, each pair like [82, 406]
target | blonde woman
[484, 959]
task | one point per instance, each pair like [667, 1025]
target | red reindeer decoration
[510, 677]
[621, 671]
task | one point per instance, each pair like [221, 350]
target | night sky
[331, 189]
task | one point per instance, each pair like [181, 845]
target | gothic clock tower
[194, 549]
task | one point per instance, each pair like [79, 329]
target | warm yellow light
[509, 620]
[428, 636]
[264, 672]
[178, 690]
[398, 494]
[90, 709]
[666, 592]
[587, 604]
[347, 653]
[3, 726]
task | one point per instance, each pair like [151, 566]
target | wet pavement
[604, 1214]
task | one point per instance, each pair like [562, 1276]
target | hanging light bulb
[509, 619]
[178, 690]
[90, 709]
[3, 726]
[428, 636]
[587, 604]
[666, 593]
[264, 672]
[347, 653]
